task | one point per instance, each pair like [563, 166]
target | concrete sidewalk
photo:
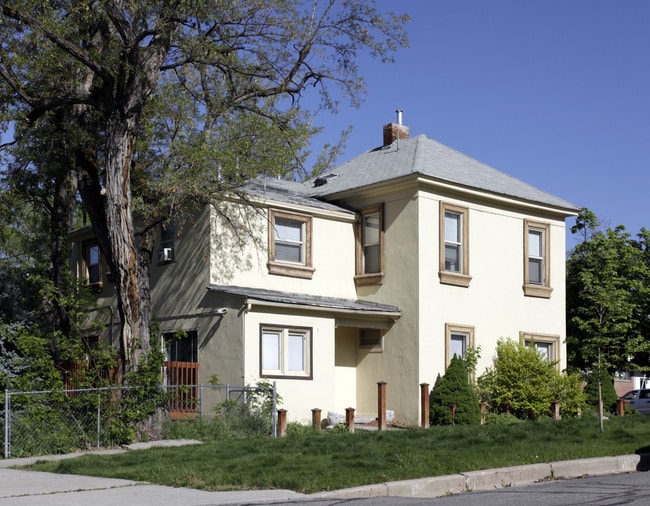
[36, 488]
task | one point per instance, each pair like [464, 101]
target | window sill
[543, 292]
[369, 279]
[455, 279]
[294, 271]
[286, 376]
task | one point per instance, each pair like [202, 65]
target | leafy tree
[454, 388]
[163, 105]
[608, 283]
[523, 382]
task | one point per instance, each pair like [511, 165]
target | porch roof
[316, 302]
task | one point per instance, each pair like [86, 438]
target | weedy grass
[307, 461]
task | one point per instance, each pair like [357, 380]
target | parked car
[639, 399]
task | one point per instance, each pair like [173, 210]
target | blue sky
[554, 92]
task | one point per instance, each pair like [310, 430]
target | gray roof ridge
[492, 168]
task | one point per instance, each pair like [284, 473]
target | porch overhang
[346, 312]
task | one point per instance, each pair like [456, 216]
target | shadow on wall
[238, 240]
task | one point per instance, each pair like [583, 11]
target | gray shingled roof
[298, 299]
[425, 156]
[291, 192]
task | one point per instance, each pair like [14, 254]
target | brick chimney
[395, 131]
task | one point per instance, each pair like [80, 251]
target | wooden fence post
[424, 405]
[315, 419]
[282, 422]
[381, 405]
[349, 419]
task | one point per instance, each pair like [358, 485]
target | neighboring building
[380, 270]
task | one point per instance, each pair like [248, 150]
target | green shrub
[454, 388]
[523, 382]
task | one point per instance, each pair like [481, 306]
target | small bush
[454, 387]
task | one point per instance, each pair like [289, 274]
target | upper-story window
[454, 245]
[536, 259]
[290, 244]
[166, 251]
[370, 247]
[92, 265]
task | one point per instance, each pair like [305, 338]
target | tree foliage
[454, 388]
[149, 108]
[608, 298]
[523, 382]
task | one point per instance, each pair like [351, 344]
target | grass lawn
[309, 462]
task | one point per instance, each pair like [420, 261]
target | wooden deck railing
[183, 399]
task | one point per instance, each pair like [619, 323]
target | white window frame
[459, 276]
[301, 269]
[542, 288]
[282, 367]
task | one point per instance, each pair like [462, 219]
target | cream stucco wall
[397, 364]
[494, 304]
[237, 259]
[299, 395]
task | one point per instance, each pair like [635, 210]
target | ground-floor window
[547, 345]
[181, 346]
[457, 339]
[285, 352]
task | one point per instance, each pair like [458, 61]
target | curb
[490, 479]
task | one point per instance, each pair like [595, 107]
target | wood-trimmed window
[92, 265]
[457, 339]
[370, 247]
[290, 244]
[454, 245]
[537, 265]
[285, 352]
[548, 345]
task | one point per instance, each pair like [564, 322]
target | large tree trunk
[60, 222]
[131, 284]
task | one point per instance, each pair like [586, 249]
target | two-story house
[380, 270]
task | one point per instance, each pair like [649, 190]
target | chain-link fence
[62, 421]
